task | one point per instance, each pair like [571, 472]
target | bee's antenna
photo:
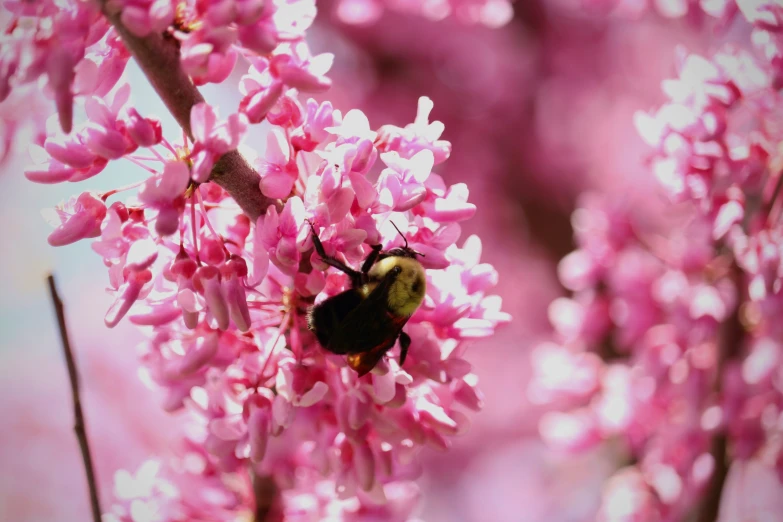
[400, 233]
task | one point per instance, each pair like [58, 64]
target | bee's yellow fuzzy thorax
[407, 291]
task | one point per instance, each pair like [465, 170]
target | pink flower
[106, 135]
[101, 68]
[301, 71]
[563, 373]
[80, 218]
[47, 170]
[447, 205]
[233, 273]
[277, 22]
[277, 171]
[127, 295]
[417, 136]
[649, 297]
[165, 193]
[212, 140]
[145, 132]
[279, 234]
[207, 55]
[318, 119]
[70, 152]
[143, 17]
[401, 185]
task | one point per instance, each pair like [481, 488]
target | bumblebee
[366, 320]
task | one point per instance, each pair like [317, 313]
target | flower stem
[78, 422]
[158, 57]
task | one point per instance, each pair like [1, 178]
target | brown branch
[265, 494]
[730, 343]
[710, 504]
[158, 58]
[78, 416]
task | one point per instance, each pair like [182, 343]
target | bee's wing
[367, 333]
[369, 340]
[324, 318]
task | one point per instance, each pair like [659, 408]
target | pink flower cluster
[74, 54]
[671, 341]
[223, 297]
[226, 301]
[78, 56]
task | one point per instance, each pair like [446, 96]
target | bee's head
[400, 252]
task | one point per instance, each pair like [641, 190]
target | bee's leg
[332, 261]
[405, 342]
[372, 257]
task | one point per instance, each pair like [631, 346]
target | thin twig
[78, 416]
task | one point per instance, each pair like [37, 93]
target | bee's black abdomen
[324, 318]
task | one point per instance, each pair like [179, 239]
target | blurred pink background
[538, 111]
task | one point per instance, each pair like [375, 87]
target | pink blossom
[145, 132]
[290, 66]
[165, 194]
[70, 152]
[318, 118]
[207, 55]
[301, 71]
[447, 205]
[85, 154]
[102, 67]
[143, 17]
[127, 294]
[402, 183]
[277, 171]
[233, 273]
[417, 136]
[212, 140]
[279, 233]
[106, 135]
[48, 170]
[80, 218]
[277, 22]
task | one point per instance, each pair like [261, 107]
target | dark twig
[78, 422]
[710, 504]
[265, 493]
[731, 339]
